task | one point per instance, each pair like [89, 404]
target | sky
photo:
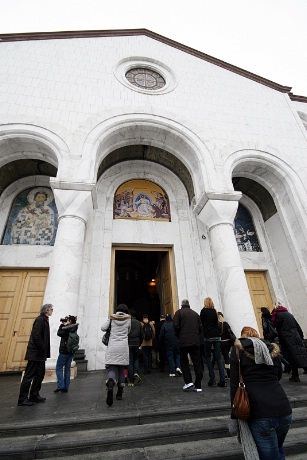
[266, 37]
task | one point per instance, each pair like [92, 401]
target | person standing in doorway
[37, 352]
[149, 334]
[188, 329]
[269, 331]
[67, 331]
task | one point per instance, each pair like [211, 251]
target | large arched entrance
[276, 272]
[27, 230]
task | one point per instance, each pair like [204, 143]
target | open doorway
[143, 281]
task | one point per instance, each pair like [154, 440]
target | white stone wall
[63, 101]
[192, 256]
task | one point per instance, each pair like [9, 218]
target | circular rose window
[145, 78]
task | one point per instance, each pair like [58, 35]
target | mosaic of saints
[35, 223]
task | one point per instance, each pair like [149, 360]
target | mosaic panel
[32, 219]
[141, 199]
[245, 232]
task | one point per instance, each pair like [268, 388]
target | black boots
[119, 394]
[110, 386]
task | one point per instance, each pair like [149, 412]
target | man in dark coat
[37, 352]
[189, 332]
[291, 340]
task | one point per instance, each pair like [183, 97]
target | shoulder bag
[106, 336]
[240, 405]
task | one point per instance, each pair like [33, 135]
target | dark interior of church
[137, 281]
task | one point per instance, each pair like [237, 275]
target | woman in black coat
[270, 410]
[291, 340]
[269, 331]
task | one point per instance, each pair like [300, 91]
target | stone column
[218, 215]
[62, 290]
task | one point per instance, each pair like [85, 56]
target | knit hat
[185, 303]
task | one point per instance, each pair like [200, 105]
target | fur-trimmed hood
[247, 345]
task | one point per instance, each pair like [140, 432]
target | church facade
[134, 169]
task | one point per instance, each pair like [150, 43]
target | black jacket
[291, 337]
[188, 327]
[63, 332]
[210, 323]
[269, 331]
[39, 342]
[266, 396]
[227, 333]
[168, 338]
[136, 335]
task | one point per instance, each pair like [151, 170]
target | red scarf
[279, 309]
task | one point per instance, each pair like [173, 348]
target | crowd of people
[176, 342]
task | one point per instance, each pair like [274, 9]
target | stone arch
[150, 130]
[286, 227]
[24, 141]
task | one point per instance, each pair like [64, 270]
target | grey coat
[117, 352]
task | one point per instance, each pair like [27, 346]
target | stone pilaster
[218, 213]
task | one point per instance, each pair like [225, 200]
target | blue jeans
[173, 359]
[213, 347]
[269, 435]
[63, 370]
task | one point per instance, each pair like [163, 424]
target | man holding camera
[37, 352]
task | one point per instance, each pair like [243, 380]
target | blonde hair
[208, 303]
[248, 331]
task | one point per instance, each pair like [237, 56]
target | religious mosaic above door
[141, 199]
[32, 219]
[245, 231]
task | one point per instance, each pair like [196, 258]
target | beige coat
[148, 343]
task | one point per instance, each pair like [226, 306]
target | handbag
[106, 336]
[240, 405]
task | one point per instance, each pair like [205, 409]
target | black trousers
[34, 374]
[196, 359]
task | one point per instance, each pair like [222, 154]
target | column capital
[73, 203]
[218, 208]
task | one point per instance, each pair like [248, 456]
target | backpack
[148, 333]
[72, 342]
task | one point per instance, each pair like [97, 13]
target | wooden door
[21, 297]
[260, 293]
[166, 285]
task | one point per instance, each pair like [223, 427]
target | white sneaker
[172, 375]
[197, 390]
[179, 371]
[188, 386]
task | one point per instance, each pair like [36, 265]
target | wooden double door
[260, 293]
[21, 297]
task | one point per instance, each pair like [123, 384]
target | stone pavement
[86, 398]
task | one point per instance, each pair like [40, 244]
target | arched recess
[150, 130]
[27, 150]
[151, 154]
[278, 193]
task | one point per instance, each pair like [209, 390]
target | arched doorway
[27, 231]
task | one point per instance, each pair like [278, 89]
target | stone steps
[194, 433]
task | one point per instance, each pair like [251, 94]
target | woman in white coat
[117, 353]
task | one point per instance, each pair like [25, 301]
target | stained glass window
[245, 232]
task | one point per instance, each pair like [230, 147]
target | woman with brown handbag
[259, 364]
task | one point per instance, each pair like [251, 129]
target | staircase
[190, 433]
